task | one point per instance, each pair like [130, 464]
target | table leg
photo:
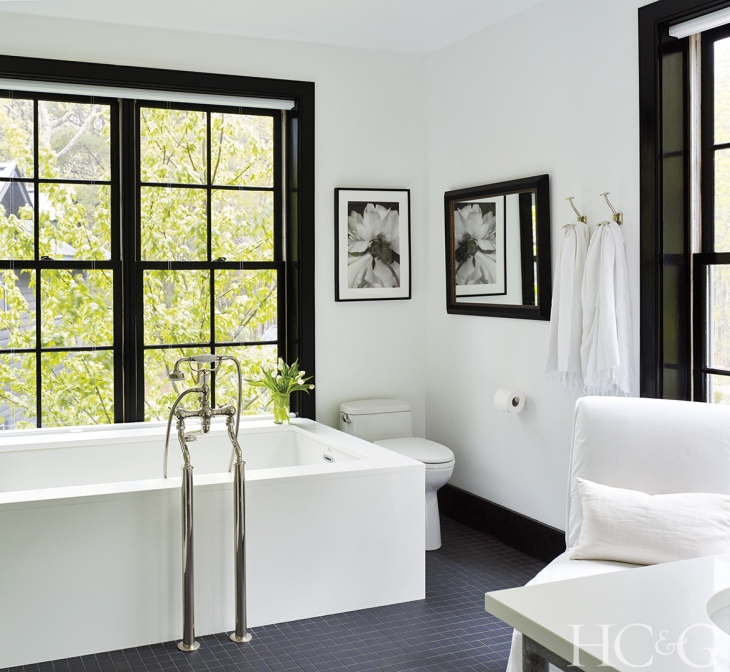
[536, 658]
[532, 661]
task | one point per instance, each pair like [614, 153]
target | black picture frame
[379, 268]
[538, 185]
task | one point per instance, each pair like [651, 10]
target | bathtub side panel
[313, 548]
[88, 578]
[336, 545]
[104, 575]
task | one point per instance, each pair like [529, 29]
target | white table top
[659, 603]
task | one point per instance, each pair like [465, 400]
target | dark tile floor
[449, 630]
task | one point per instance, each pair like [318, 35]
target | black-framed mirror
[498, 249]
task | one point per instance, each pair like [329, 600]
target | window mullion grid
[209, 242]
[279, 252]
[703, 262]
[38, 336]
[210, 264]
[702, 321]
[36, 189]
[36, 256]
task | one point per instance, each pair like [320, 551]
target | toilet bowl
[387, 423]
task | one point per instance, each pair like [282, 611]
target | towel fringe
[607, 385]
[569, 381]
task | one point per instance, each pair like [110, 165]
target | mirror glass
[498, 249]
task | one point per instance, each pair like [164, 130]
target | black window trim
[296, 299]
[654, 41]
[707, 255]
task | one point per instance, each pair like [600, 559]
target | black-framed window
[59, 260]
[684, 281]
[209, 253]
[200, 239]
[712, 262]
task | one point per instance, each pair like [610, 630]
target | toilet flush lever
[346, 418]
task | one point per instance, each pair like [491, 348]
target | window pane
[77, 388]
[719, 316]
[16, 137]
[722, 200]
[16, 220]
[17, 391]
[75, 221]
[159, 392]
[74, 140]
[245, 306]
[243, 225]
[17, 309]
[176, 307]
[254, 360]
[173, 146]
[676, 335]
[242, 150]
[174, 224]
[76, 308]
[718, 390]
[722, 91]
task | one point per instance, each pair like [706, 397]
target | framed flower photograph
[498, 249]
[479, 247]
[372, 244]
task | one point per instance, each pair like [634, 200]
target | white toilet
[387, 422]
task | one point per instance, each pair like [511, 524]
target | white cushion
[651, 445]
[630, 526]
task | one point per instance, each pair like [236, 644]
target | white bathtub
[90, 534]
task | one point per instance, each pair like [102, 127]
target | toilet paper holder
[511, 401]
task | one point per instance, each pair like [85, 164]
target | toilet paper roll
[512, 401]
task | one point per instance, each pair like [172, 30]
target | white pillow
[631, 526]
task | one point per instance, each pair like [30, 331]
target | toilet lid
[419, 449]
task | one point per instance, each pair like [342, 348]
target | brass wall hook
[581, 218]
[618, 217]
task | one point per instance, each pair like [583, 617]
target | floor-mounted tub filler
[90, 533]
[204, 369]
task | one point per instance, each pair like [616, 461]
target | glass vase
[281, 408]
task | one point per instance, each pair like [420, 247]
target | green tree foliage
[75, 223]
[720, 281]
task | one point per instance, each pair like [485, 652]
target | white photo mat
[500, 285]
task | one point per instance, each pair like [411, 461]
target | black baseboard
[525, 534]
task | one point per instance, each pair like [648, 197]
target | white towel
[566, 317]
[606, 350]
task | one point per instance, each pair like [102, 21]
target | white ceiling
[410, 26]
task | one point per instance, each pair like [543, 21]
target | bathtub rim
[371, 460]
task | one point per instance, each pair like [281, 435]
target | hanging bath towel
[566, 317]
[606, 350]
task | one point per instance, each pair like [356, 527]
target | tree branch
[82, 129]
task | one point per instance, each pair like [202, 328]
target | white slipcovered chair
[651, 445]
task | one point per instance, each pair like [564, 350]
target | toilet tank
[376, 419]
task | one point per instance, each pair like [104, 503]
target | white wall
[551, 90]
[369, 133]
